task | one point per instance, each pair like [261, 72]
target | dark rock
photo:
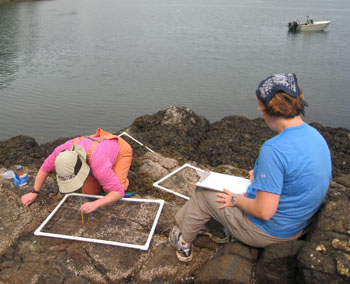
[234, 140]
[163, 267]
[325, 258]
[229, 146]
[277, 263]
[47, 148]
[338, 140]
[343, 180]
[177, 130]
[316, 267]
[233, 264]
[19, 150]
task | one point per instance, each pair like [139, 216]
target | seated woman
[289, 181]
[95, 163]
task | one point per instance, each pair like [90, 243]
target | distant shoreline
[7, 1]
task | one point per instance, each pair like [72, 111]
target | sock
[183, 241]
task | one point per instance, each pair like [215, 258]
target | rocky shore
[178, 136]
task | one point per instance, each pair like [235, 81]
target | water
[68, 67]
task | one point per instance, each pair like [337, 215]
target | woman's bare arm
[264, 206]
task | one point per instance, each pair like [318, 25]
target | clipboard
[218, 182]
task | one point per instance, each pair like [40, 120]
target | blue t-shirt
[296, 164]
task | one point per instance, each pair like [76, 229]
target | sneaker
[183, 250]
[220, 237]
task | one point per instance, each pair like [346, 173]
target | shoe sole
[183, 258]
[178, 254]
[213, 238]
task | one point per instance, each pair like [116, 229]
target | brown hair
[284, 105]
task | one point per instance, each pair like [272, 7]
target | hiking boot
[183, 249]
[220, 237]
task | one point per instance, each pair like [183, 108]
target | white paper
[219, 182]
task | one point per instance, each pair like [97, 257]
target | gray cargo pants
[202, 206]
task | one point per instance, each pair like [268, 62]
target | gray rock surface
[229, 146]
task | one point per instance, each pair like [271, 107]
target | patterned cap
[286, 83]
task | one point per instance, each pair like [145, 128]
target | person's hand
[88, 207]
[28, 198]
[225, 198]
[251, 175]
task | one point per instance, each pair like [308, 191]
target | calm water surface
[68, 67]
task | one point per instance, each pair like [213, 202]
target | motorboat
[308, 25]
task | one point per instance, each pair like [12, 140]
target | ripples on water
[67, 67]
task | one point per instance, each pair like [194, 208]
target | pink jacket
[102, 161]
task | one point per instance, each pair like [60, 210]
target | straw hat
[72, 169]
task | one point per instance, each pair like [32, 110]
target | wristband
[34, 191]
[233, 200]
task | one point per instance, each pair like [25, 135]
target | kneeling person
[95, 163]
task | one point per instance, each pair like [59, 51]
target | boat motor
[292, 26]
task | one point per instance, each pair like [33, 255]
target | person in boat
[289, 181]
[309, 21]
[95, 164]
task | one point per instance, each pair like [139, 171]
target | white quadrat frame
[157, 183]
[145, 246]
[137, 141]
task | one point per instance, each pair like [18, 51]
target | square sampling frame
[137, 141]
[102, 226]
[158, 183]
[201, 178]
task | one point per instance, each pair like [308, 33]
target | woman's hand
[88, 207]
[225, 198]
[28, 198]
[110, 198]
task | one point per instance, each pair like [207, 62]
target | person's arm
[264, 206]
[47, 167]
[251, 175]
[40, 179]
[110, 198]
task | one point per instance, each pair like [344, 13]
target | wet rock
[278, 263]
[157, 166]
[15, 218]
[179, 136]
[177, 130]
[116, 264]
[324, 257]
[232, 264]
[167, 218]
[163, 267]
[338, 140]
[342, 245]
[343, 180]
[21, 150]
[315, 267]
[234, 140]
[155, 170]
[182, 182]
[343, 266]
